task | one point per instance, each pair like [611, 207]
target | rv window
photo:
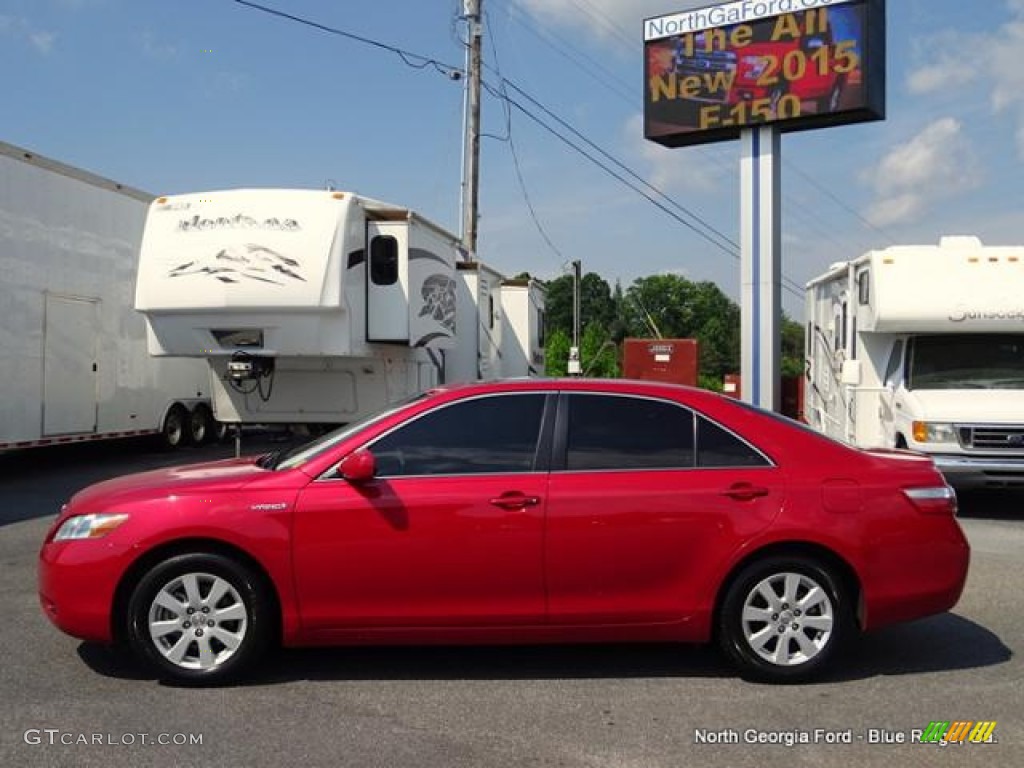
[384, 260]
[540, 328]
[894, 362]
[863, 288]
[490, 312]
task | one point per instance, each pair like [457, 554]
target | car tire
[785, 619]
[199, 619]
[174, 432]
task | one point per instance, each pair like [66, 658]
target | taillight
[936, 500]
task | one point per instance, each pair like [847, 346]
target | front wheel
[199, 618]
[175, 432]
[784, 619]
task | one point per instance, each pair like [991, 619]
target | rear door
[646, 500]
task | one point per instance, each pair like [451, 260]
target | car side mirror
[358, 467]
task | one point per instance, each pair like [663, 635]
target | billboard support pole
[761, 271]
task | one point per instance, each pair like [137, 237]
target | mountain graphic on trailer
[235, 264]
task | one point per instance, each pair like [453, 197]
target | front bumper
[77, 582]
[980, 471]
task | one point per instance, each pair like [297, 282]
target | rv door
[387, 281]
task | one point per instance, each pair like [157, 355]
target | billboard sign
[800, 64]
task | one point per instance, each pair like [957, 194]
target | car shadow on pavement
[941, 643]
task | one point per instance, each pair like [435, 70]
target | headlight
[928, 432]
[88, 526]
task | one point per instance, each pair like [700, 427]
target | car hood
[963, 406]
[215, 476]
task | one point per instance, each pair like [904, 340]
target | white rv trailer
[922, 347]
[73, 359]
[310, 306]
[522, 326]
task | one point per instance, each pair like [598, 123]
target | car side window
[717, 447]
[621, 432]
[495, 434]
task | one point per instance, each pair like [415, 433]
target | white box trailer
[73, 358]
[310, 306]
[922, 347]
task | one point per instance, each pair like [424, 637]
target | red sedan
[515, 512]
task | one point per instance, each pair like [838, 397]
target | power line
[410, 59]
[419, 61]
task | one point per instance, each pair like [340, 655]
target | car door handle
[745, 492]
[515, 500]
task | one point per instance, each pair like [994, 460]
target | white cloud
[670, 170]
[950, 61]
[618, 19]
[936, 164]
[154, 49]
[23, 29]
[43, 41]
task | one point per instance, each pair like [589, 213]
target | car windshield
[300, 454]
[967, 361]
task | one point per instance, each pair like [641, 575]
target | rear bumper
[923, 574]
[980, 471]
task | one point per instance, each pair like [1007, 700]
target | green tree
[596, 304]
[792, 347]
[556, 353]
[598, 353]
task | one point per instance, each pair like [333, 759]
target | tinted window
[384, 260]
[628, 433]
[491, 434]
[717, 447]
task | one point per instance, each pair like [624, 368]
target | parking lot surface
[65, 703]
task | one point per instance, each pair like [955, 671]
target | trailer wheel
[174, 432]
[201, 425]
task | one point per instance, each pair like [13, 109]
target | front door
[449, 532]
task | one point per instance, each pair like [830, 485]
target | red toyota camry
[515, 512]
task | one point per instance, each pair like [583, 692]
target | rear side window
[607, 432]
[496, 434]
[717, 447]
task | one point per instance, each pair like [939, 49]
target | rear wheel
[201, 425]
[199, 618]
[784, 619]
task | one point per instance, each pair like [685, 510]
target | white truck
[73, 359]
[318, 307]
[922, 347]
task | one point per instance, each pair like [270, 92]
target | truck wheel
[199, 618]
[201, 425]
[174, 432]
[784, 619]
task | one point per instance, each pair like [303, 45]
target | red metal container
[669, 360]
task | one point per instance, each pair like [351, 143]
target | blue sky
[193, 95]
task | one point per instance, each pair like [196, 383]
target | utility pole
[471, 146]
[574, 368]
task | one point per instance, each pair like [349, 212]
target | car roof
[579, 384]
